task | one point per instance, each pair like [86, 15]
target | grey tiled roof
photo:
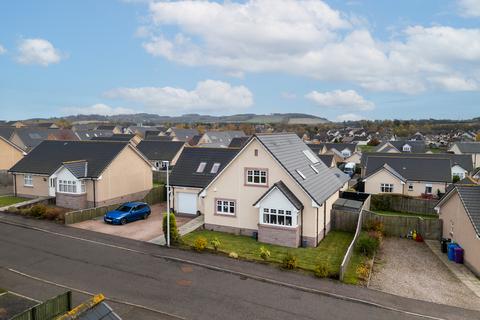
[416, 146]
[184, 134]
[238, 142]
[78, 168]
[470, 196]
[289, 149]
[89, 134]
[160, 150]
[286, 192]
[326, 158]
[468, 147]
[115, 137]
[413, 168]
[6, 132]
[185, 171]
[49, 155]
[463, 160]
[339, 146]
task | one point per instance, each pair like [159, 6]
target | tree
[477, 138]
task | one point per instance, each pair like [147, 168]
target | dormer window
[201, 167]
[346, 153]
[407, 148]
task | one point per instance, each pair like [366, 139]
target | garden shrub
[13, 210]
[174, 235]
[215, 243]
[264, 253]
[363, 271]
[377, 226]
[289, 261]
[52, 213]
[38, 210]
[368, 245]
[380, 202]
[200, 243]
[233, 255]
[323, 270]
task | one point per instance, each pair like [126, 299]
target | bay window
[279, 217]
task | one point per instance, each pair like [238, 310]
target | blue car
[127, 212]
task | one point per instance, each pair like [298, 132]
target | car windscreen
[124, 208]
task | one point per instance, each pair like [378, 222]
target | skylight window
[300, 173]
[215, 167]
[314, 169]
[309, 154]
[201, 167]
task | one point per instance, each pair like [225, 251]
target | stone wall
[283, 236]
[72, 201]
[227, 229]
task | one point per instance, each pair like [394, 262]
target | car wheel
[123, 221]
[145, 216]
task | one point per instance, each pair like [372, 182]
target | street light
[166, 164]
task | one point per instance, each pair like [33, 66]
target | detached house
[275, 188]
[470, 148]
[179, 134]
[82, 174]
[409, 176]
[459, 210]
[401, 146]
[340, 151]
[158, 151]
[219, 139]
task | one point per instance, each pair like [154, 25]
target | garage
[187, 203]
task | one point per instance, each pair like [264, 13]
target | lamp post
[167, 164]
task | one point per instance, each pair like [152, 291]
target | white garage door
[187, 203]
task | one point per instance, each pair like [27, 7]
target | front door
[52, 186]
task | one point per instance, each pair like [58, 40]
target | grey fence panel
[401, 203]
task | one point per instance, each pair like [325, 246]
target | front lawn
[9, 200]
[405, 214]
[357, 259]
[331, 249]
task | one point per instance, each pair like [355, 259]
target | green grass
[9, 200]
[366, 148]
[157, 184]
[357, 259]
[331, 249]
[405, 214]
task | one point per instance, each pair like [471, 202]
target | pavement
[409, 269]
[459, 270]
[144, 230]
[145, 281]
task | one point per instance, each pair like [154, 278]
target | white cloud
[37, 51]
[309, 38]
[350, 117]
[207, 95]
[469, 8]
[99, 108]
[2, 49]
[340, 99]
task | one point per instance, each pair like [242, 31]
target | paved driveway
[143, 230]
[410, 269]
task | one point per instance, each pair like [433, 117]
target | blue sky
[335, 59]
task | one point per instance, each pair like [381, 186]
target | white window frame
[67, 186]
[83, 187]
[410, 187]
[386, 187]
[261, 174]
[407, 148]
[311, 156]
[300, 173]
[428, 185]
[226, 207]
[279, 217]
[28, 180]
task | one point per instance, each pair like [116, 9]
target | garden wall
[400, 203]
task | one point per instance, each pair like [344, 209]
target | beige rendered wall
[457, 226]
[9, 155]
[230, 185]
[39, 188]
[419, 188]
[127, 174]
[374, 182]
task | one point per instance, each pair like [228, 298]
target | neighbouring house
[193, 171]
[238, 142]
[48, 125]
[328, 160]
[28, 138]
[414, 176]
[10, 154]
[470, 148]
[341, 151]
[115, 129]
[461, 164]
[158, 151]
[194, 140]
[459, 210]
[219, 139]
[142, 130]
[132, 138]
[90, 134]
[179, 134]
[400, 146]
[83, 174]
[275, 188]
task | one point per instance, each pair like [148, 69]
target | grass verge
[9, 200]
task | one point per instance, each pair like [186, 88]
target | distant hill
[287, 118]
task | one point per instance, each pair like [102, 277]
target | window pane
[288, 221]
[281, 220]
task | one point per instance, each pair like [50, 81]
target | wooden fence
[156, 195]
[400, 203]
[49, 309]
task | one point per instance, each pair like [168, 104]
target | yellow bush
[363, 271]
[200, 243]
